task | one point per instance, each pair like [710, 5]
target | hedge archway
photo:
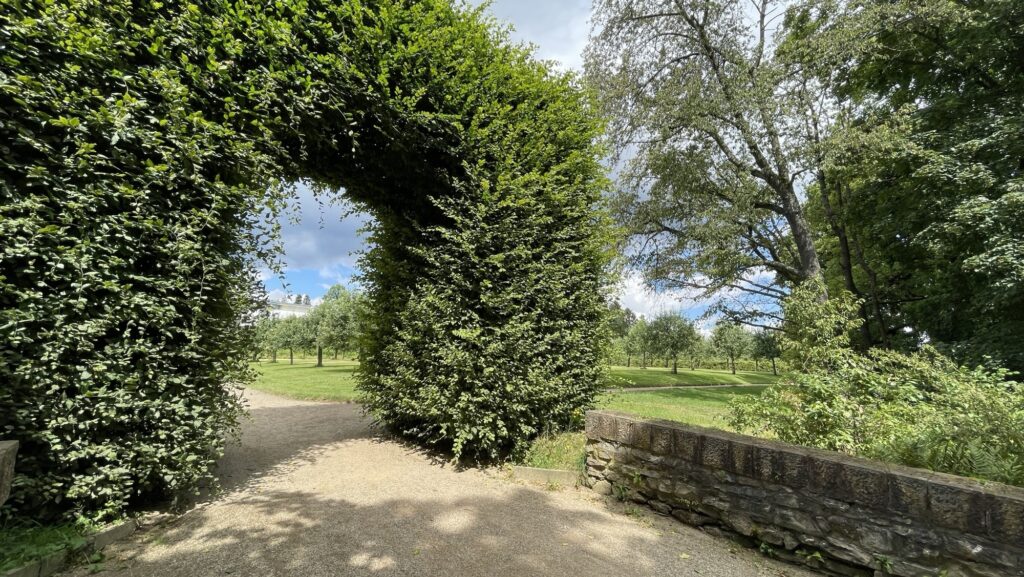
[142, 141]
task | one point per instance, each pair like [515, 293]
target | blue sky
[321, 246]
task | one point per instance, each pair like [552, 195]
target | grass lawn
[705, 407]
[335, 381]
[702, 407]
[623, 377]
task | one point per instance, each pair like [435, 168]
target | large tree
[930, 161]
[714, 125]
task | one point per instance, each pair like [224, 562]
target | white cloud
[634, 294]
[559, 28]
[316, 234]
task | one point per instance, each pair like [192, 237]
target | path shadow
[526, 533]
[281, 439]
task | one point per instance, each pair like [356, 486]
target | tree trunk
[675, 362]
[291, 356]
[774, 371]
[643, 360]
[319, 356]
[810, 266]
[873, 286]
[335, 353]
[628, 359]
[732, 361]
[273, 355]
[757, 366]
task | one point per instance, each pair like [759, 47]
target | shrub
[917, 409]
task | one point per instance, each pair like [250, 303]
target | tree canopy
[872, 144]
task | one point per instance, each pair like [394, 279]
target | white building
[284, 309]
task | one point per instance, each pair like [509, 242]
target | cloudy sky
[322, 247]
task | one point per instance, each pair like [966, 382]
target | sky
[322, 247]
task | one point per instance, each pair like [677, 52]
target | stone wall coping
[989, 488]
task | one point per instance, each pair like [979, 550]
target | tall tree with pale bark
[712, 128]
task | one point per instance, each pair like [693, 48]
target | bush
[918, 409]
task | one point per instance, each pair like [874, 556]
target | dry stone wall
[838, 514]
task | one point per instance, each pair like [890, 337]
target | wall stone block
[838, 514]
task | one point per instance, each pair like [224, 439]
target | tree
[305, 300]
[766, 345]
[620, 319]
[672, 335]
[337, 320]
[265, 337]
[732, 340]
[930, 156]
[716, 125]
[637, 342]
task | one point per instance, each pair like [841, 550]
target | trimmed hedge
[142, 145]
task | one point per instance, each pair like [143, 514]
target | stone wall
[838, 514]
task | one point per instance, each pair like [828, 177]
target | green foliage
[505, 340]
[620, 320]
[929, 152]
[638, 340]
[920, 409]
[732, 340]
[337, 318]
[715, 130]
[817, 331]
[145, 143]
[670, 335]
[767, 344]
[21, 544]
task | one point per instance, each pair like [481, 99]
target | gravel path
[312, 491]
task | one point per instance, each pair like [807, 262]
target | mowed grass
[702, 406]
[628, 377]
[705, 407]
[335, 381]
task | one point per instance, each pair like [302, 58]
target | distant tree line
[670, 338]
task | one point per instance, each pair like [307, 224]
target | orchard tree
[337, 320]
[265, 336]
[672, 336]
[700, 351]
[635, 342]
[732, 340]
[767, 345]
[620, 319]
[714, 124]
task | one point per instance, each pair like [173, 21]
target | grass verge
[335, 381]
[21, 544]
[628, 377]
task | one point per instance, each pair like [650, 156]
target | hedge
[145, 147]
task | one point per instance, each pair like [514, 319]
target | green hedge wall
[142, 145]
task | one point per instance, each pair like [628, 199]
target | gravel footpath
[313, 491]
